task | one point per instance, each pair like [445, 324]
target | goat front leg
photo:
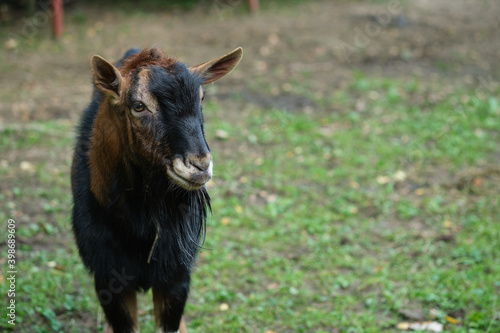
[168, 309]
[120, 308]
[182, 327]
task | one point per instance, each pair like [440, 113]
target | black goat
[138, 179]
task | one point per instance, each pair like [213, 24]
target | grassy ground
[372, 205]
[330, 222]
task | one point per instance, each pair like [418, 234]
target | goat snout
[192, 172]
[201, 163]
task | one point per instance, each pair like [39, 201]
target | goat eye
[138, 106]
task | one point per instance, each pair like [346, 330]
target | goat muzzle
[191, 173]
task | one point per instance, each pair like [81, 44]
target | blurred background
[356, 161]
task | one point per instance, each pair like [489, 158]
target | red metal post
[57, 18]
[254, 5]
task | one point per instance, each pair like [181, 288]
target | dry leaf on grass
[428, 326]
[221, 134]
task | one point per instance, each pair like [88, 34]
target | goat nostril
[201, 164]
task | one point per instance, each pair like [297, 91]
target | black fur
[115, 240]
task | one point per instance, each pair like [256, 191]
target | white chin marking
[182, 182]
[188, 177]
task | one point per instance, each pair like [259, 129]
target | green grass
[329, 222]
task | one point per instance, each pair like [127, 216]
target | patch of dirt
[284, 101]
[329, 39]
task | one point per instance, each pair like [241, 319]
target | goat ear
[107, 78]
[214, 69]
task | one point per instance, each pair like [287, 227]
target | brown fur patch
[159, 303]
[182, 327]
[143, 93]
[147, 57]
[105, 152]
[108, 138]
[130, 299]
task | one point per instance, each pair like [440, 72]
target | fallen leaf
[354, 185]
[11, 44]
[383, 179]
[225, 220]
[221, 134]
[91, 33]
[451, 320]
[271, 198]
[360, 105]
[273, 39]
[428, 326]
[403, 326]
[27, 166]
[273, 286]
[261, 66]
[238, 209]
[419, 191]
[400, 175]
